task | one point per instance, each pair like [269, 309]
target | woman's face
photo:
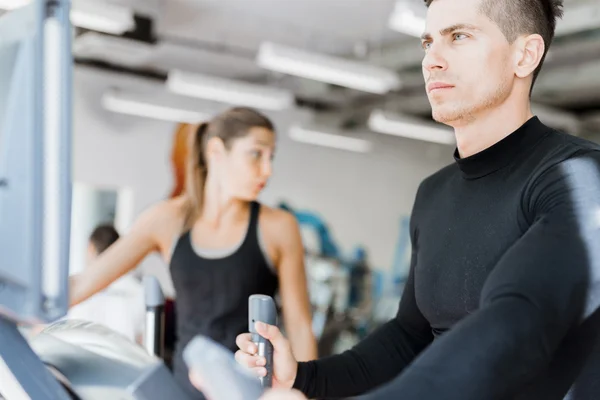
[244, 169]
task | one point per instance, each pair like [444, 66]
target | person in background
[220, 243]
[120, 306]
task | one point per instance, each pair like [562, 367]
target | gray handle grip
[223, 378]
[262, 309]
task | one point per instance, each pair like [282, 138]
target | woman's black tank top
[212, 293]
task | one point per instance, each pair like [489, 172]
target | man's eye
[459, 36]
[425, 45]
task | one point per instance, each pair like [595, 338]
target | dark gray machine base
[17, 359]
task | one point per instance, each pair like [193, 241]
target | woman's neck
[218, 206]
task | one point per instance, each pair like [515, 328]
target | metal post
[154, 338]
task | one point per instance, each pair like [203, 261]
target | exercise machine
[93, 362]
[69, 359]
[35, 197]
[35, 187]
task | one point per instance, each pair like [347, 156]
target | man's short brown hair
[103, 237]
[524, 17]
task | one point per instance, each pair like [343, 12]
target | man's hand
[285, 365]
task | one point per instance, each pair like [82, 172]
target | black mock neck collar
[503, 152]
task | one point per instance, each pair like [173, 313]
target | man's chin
[445, 116]
[441, 116]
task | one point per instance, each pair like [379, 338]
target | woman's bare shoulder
[276, 215]
[277, 221]
[164, 218]
[171, 208]
[164, 221]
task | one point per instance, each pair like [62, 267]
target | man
[121, 306]
[502, 296]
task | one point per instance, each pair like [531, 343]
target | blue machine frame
[35, 163]
[35, 185]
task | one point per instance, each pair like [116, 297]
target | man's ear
[528, 54]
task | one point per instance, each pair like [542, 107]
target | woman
[220, 243]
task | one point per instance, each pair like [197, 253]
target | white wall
[362, 196]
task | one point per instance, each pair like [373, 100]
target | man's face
[467, 63]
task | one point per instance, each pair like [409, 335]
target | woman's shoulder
[277, 222]
[168, 209]
[276, 215]
[163, 215]
[164, 221]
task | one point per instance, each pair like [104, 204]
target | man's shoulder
[559, 150]
[565, 143]
[568, 164]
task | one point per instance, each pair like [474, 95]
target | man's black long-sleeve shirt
[504, 286]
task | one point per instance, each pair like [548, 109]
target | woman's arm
[124, 255]
[293, 288]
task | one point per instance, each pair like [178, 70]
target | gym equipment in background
[327, 247]
[35, 187]
[261, 308]
[154, 335]
[340, 287]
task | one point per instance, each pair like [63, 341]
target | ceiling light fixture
[405, 20]
[334, 70]
[229, 91]
[116, 101]
[320, 138]
[102, 17]
[90, 14]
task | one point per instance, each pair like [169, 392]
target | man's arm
[540, 289]
[375, 360]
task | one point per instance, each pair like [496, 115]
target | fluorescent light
[409, 128]
[112, 49]
[13, 4]
[91, 14]
[115, 101]
[405, 20]
[101, 16]
[229, 91]
[329, 69]
[326, 139]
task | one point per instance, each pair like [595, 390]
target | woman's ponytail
[196, 171]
